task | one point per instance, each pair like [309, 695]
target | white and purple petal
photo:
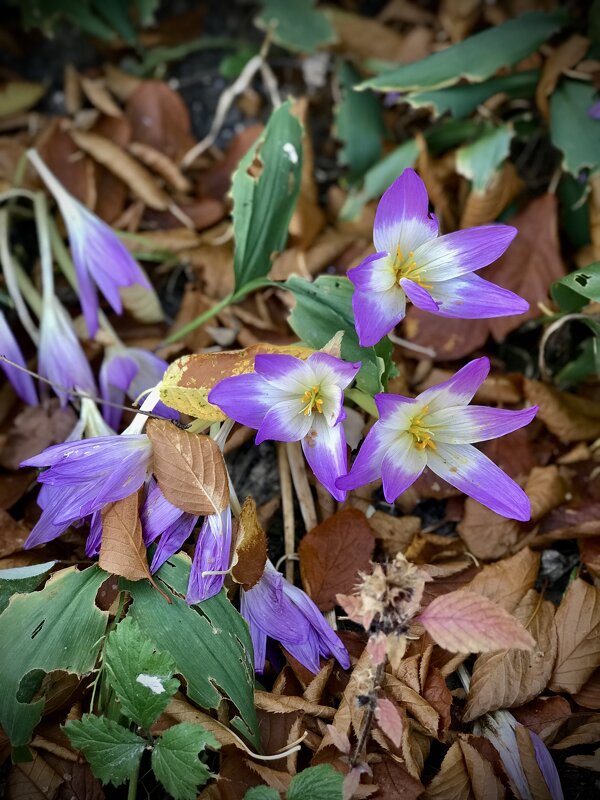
[367, 464]
[172, 539]
[419, 296]
[402, 216]
[472, 297]
[285, 422]
[244, 398]
[375, 273]
[377, 313]
[212, 554]
[21, 382]
[157, 513]
[458, 390]
[325, 450]
[401, 466]
[467, 424]
[331, 371]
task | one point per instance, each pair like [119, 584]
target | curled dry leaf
[566, 55]
[333, 554]
[142, 303]
[508, 581]
[160, 118]
[250, 553]
[569, 418]
[122, 550]
[161, 164]
[189, 468]
[286, 704]
[465, 622]
[578, 627]
[464, 775]
[484, 207]
[100, 97]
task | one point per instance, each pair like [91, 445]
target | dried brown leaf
[389, 720]
[464, 780]
[439, 697]
[393, 780]
[333, 554]
[287, 704]
[161, 164]
[578, 627]
[531, 770]
[450, 339]
[569, 418]
[33, 780]
[142, 303]
[250, 553]
[544, 716]
[484, 207]
[189, 468]
[100, 97]
[122, 550]
[587, 762]
[160, 118]
[508, 581]
[567, 55]
[416, 705]
[589, 696]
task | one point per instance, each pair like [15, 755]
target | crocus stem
[41, 223]
[12, 283]
[133, 782]
[363, 400]
[30, 293]
[368, 720]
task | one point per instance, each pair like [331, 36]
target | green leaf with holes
[572, 129]
[113, 752]
[175, 759]
[296, 24]
[479, 161]
[577, 289]
[21, 579]
[58, 629]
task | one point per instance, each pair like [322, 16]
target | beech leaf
[189, 469]
[389, 720]
[122, 550]
[250, 554]
[465, 622]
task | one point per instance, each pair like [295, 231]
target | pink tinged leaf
[339, 739]
[377, 647]
[389, 720]
[466, 622]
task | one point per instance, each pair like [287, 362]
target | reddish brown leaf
[568, 417]
[439, 697]
[122, 551]
[450, 339]
[332, 555]
[250, 554]
[160, 118]
[33, 780]
[544, 716]
[394, 781]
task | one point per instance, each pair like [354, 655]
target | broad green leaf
[21, 579]
[574, 211]
[379, 177]
[175, 759]
[296, 24]
[572, 130]
[262, 793]
[115, 13]
[477, 58]
[265, 190]
[209, 642]
[576, 289]
[451, 133]
[359, 124]
[460, 101]
[113, 752]
[59, 628]
[146, 10]
[324, 307]
[480, 160]
[316, 783]
[141, 677]
[582, 366]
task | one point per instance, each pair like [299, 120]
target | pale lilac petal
[375, 274]
[466, 424]
[459, 389]
[401, 466]
[377, 313]
[150, 372]
[47, 528]
[116, 375]
[327, 454]
[547, 767]
[329, 642]
[331, 370]
[594, 110]
[172, 539]
[389, 404]
[367, 464]
[213, 550]
[472, 297]
[285, 422]
[258, 636]
[21, 382]
[307, 652]
[470, 471]
[157, 513]
[94, 539]
[244, 398]
[402, 216]
[266, 606]
[462, 251]
[284, 374]
[418, 296]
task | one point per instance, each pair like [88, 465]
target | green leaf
[262, 793]
[115, 13]
[317, 783]
[265, 190]
[141, 677]
[480, 160]
[21, 579]
[460, 101]
[59, 628]
[450, 133]
[113, 752]
[379, 177]
[175, 759]
[324, 307]
[146, 10]
[572, 130]
[576, 289]
[296, 25]
[476, 58]
[209, 642]
[359, 125]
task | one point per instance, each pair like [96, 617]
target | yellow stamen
[313, 400]
[407, 268]
[422, 436]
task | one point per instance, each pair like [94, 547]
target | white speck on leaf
[151, 682]
[291, 152]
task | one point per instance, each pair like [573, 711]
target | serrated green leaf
[379, 177]
[141, 677]
[262, 793]
[480, 160]
[21, 579]
[324, 307]
[579, 287]
[113, 752]
[476, 58]
[317, 783]
[359, 125]
[296, 24]
[572, 130]
[175, 759]
[265, 189]
[209, 642]
[59, 628]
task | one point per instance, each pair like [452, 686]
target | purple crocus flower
[436, 430]
[21, 382]
[212, 555]
[82, 477]
[433, 272]
[101, 260]
[60, 357]
[275, 608]
[291, 400]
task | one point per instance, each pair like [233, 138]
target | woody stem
[368, 720]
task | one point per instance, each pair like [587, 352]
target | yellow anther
[313, 400]
[422, 436]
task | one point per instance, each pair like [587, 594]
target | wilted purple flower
[594, 110]
[275, 608]
[82, 477]
[21, 382]
[436, 430]
[101, 260]
[128, 371]
[212, 554]
[291, 400]
[433, 272]
[60, 356]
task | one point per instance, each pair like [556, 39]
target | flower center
[313, 399]
[422, 436]
[407, 268]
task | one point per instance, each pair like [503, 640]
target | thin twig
[369, 716]
[301, 484]
[287, 505]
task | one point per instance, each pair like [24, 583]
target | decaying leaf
[122, 550]
[189, 468]
[566, 55]
[508, 581]
[464, 775]
[250, 552]
[568, 417]
[389, 720]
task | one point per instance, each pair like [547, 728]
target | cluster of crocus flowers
[434, 272]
